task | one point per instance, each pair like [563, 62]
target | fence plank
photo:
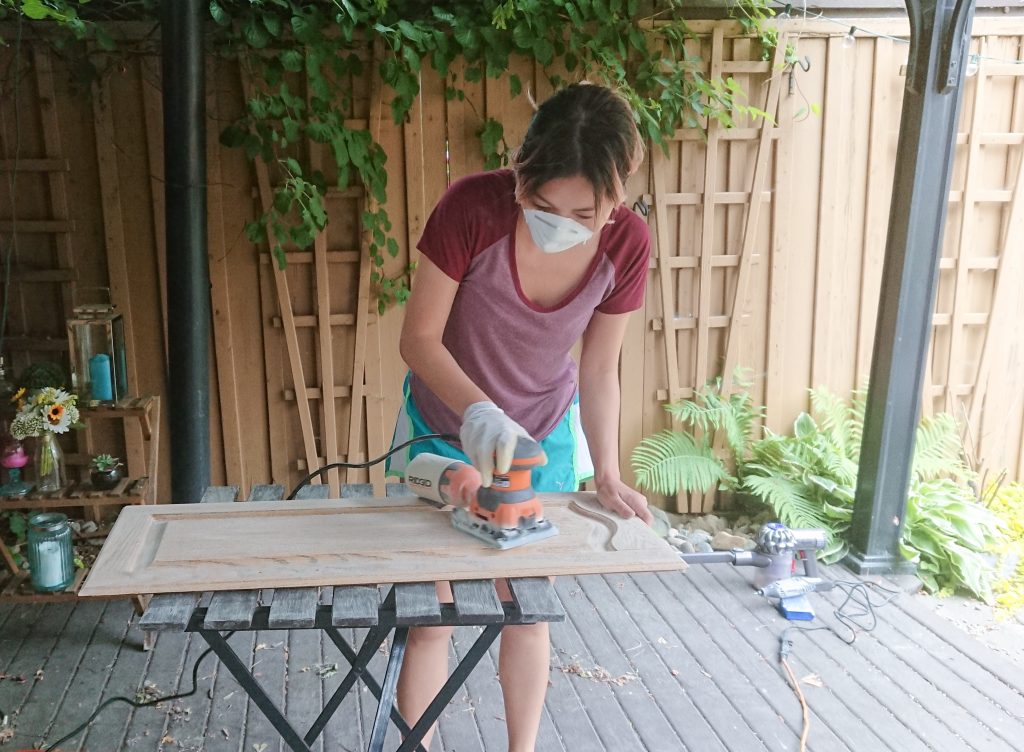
[954, 371]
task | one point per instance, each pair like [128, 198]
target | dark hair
[584, 129]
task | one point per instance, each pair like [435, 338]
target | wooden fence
[768, 241]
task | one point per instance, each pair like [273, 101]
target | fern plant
[684, 460]
[809, 477]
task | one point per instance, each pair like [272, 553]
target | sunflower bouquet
[47, 409]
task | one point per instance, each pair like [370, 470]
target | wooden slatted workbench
[156, 558]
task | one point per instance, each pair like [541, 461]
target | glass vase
[49, 464]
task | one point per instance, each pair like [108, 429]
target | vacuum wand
[777, 545]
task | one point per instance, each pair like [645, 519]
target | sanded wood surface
[230, 546]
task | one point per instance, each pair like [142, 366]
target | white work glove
[489, 439]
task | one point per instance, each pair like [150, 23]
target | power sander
[505, 514]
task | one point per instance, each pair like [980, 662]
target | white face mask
[553, 233]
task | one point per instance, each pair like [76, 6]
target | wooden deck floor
[647, 662]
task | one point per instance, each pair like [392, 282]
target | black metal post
[931, 106]
[188, 277]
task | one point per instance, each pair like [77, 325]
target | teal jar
[50, 554]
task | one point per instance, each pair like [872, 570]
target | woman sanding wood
[517, 265]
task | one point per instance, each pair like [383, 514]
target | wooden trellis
[980, 335]
[725, 313]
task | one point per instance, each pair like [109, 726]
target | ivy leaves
[289, 42]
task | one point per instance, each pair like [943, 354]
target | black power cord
[858, 618]
[362, 465]
[137, 704]
[195, 667]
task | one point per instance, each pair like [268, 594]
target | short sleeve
[462, 224]
[630, 255]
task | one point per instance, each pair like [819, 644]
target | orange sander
[505, 514]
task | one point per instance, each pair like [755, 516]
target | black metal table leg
[368, 679]
[374, 638]
[387, 694]
[456, 680]
[252, 688]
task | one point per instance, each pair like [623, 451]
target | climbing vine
[302, 55]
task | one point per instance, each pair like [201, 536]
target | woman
[517, 265]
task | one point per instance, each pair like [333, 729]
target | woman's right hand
[489, 439]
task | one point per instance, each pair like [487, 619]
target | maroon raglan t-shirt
[518, 352]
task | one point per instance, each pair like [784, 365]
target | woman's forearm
[599, 411]
[431, 361]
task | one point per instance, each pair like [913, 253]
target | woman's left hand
[616, 496]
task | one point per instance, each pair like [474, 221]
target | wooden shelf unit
[14, 583]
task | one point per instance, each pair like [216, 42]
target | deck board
[702, 648]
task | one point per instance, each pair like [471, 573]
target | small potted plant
[105, 472]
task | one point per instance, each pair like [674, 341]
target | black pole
[940, 32]
[188, 278]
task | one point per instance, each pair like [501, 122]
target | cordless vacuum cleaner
[777, 548]
[505, 514]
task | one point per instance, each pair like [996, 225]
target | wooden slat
[954, 366]
[39, 226]
[314, 491]
[231, 609]
[309, 322]
[753, 218]
[707, 235]
[358, 381]
[477, 599]
[284, 302]
[219, 494]
[113, 221]
[35, 165]
[828, 277]
[261, 492]
[224, 336]
[1005, 294]
[536, 598]
[324, 322]
[876, 208]
[307, 257]
[152, 108]
[355, 606]
[376, 434]
[416, 603]
[294, 608]
[660, 165]
[168, 611]
[328, 401]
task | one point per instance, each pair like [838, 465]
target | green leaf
[104, 40]
[272, 24]
[392, 246]
[515, 86]
[543, 51]
[671, 461]
[255, 35]
[292, 60]
[804, 426]
[233, 136]
[218, 14]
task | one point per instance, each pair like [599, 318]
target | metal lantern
[98, 363]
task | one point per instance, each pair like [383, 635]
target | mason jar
[50, 554]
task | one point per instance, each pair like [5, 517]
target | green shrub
[809, 477]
